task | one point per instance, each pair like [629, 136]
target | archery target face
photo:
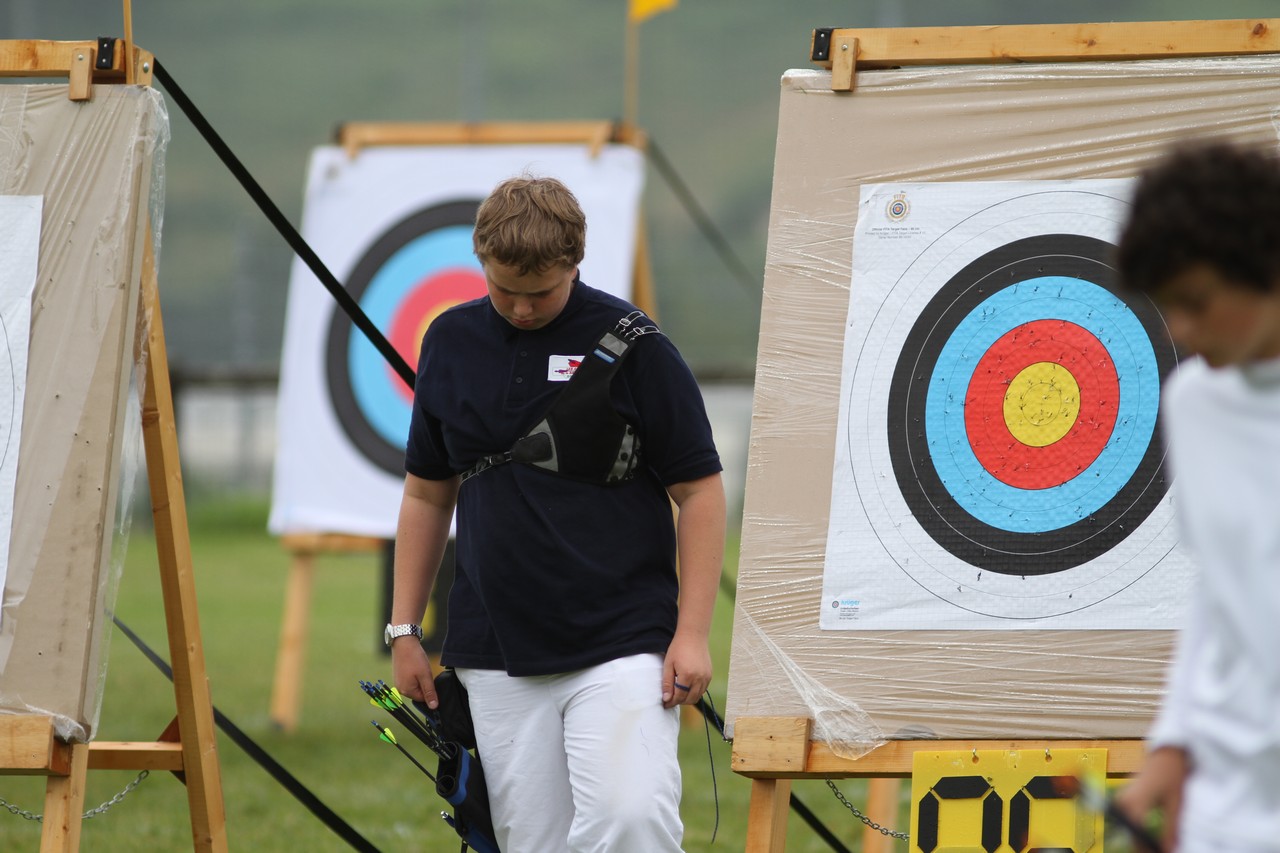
[999, 459]
[393, 224]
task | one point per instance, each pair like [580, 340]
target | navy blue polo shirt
[553, 574]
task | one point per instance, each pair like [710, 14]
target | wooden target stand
[772, 751]
[188, 746]
[304, 548]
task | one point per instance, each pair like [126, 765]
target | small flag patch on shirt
[560, 368]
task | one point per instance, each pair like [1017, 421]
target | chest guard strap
[582, 436]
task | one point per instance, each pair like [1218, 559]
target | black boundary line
[749, 283]
[286, 229]
[260, 755]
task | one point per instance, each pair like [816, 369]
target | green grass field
[335, 752]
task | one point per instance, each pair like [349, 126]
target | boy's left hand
[686, 671]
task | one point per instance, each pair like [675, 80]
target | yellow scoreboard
[1006, 801]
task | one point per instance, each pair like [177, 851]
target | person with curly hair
[1203, 241]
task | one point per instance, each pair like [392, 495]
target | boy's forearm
[700, 531]
[422, 532]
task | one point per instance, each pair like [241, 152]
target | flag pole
[130, 74]
[631, 74]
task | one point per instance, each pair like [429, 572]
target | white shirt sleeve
[1170, 727]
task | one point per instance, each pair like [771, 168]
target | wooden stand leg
[767, 815]
[882, 807]
[63, 805]
[291, 656]
[177, 583]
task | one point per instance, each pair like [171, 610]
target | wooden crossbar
[595, 134]
[45, 58]
[844, 49]
[778, 747]
[886, 47]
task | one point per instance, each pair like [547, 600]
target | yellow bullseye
[427, 320]
[1042, 404]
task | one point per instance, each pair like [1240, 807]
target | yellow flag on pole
[639, 10]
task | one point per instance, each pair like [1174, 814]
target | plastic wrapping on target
[97, 168]
[1068, 121]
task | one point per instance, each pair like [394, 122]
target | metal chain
[22, 813]
[860, 816]
[102, 809]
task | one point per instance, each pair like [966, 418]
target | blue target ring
[380, 401]
[392, 278]
[1113, 323]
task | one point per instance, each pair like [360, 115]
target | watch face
[386, 635]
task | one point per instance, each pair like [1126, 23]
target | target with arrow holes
[999, 426]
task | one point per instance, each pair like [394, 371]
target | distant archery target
[1020, 413]
[411, 274]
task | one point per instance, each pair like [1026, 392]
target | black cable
[286, 229]
[703, 703]
[817, 826]
[701, 219]
[339, 826]
[806, 814]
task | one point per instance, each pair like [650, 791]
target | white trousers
[583, 761]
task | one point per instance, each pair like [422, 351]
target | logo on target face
[417, 270]
[1022, 418]
[897, 208]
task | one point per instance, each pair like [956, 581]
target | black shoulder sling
[582, 436]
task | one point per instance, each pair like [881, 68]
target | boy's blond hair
[531, 224]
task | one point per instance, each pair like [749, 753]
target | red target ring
[426, 300]
[419, 268]
[1041, 405]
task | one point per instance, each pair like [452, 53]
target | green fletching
[384, 733]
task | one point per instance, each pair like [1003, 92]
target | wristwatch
[392, 631]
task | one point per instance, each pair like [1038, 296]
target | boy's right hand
[411, 671]
[1158, 787]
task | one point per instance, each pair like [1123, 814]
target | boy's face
[1225, 322]
[528, 301]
